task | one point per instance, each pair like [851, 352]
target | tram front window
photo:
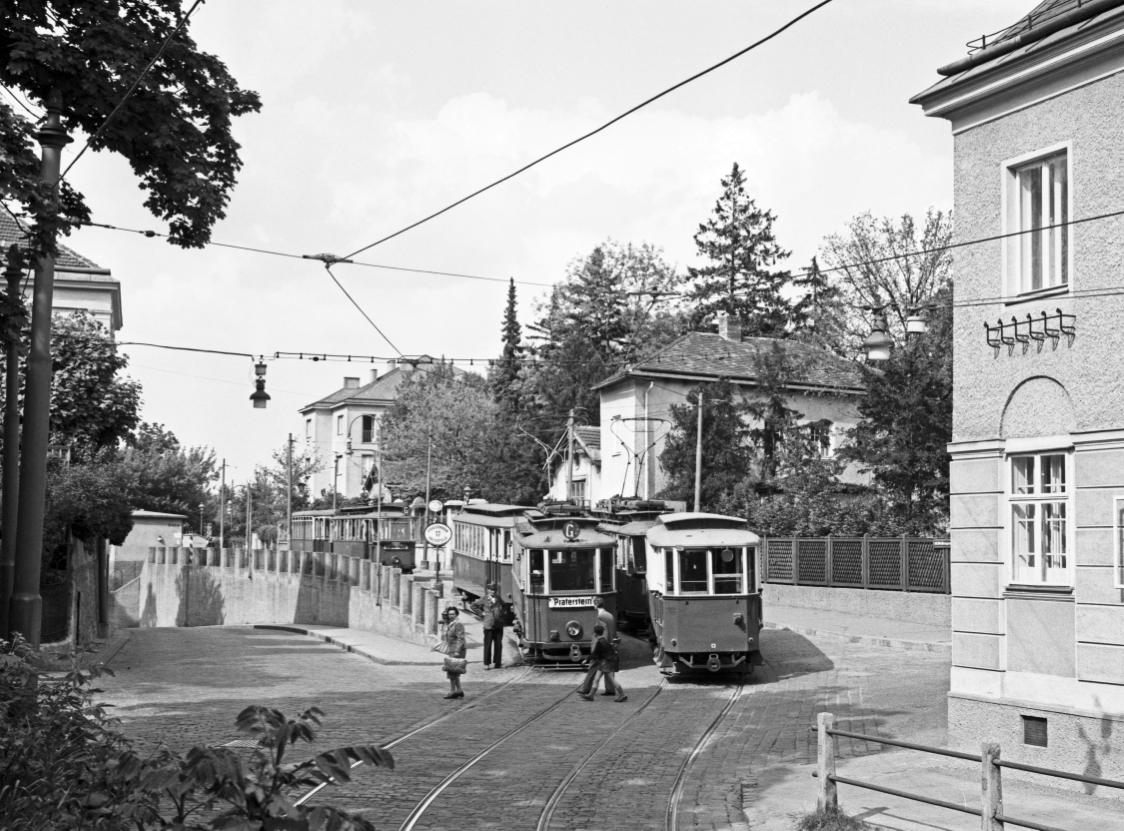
[692, 571]
[728, 571]
[571, 571]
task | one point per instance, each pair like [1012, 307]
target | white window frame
[1013, 246]
[339, 425]
[1066, 581]
[1118, 547]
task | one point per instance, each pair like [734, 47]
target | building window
[307, 429]
[1118, 558]
[577, 490]
[1038, 198]
[368, 429]
[1040, 519]
[819, 434]
[339, 425]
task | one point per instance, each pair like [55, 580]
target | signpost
[438, 534]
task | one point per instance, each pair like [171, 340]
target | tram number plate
[570, 602]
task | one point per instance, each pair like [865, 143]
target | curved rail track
[671, 818]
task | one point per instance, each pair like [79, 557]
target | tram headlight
[396, 562]
[739, 619]
[554, 635]
[574, 629]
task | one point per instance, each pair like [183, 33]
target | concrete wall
[211, 587]
[912, 607]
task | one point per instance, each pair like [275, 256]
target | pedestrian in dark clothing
[455, 663]
[601, 659]
[492, 608]
[604, 618]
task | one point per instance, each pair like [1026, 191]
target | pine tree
[505, 373]
[739, 244]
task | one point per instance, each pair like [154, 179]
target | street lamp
[878, 343]
[200, 518]
[259, 396]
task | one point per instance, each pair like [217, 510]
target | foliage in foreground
[830, 819]
[62, 766]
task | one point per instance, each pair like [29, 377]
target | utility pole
[289, 495]
[378, 499]
[13, 269]
[428, 467]
[249, 517]
[335, 481]
[222, 508]
[570, 456]
[698, 459]
[25, 611]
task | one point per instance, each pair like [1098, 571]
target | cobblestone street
[596, 765]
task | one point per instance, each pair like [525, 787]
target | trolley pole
[222, 508]
[570, 456]
[289, 494]
[25, 609]
[12, 271]
[698, 459]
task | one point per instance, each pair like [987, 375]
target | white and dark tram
[482, 534]
[559, 565]
[387, 536]
[703, 593]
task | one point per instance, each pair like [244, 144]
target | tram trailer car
[482, 535]
[628, 520]
[356, 532]
[560, 564]
[704, 597]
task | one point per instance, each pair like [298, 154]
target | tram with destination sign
[628, 520]
[704, 593]
[560, 563]
[387, 536]
[482, 534]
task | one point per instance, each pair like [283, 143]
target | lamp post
[200, 519]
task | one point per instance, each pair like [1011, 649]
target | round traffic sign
[435, 506]
[438, 533]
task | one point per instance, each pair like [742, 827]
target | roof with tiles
[1043, 13]
[590, 435]
[382, 389]
[10, 233]
[705, 355]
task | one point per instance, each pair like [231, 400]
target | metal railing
[912, 564]
[991, 784]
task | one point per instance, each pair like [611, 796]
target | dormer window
[1038, 202]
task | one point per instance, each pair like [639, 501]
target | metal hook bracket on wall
[1036, 329]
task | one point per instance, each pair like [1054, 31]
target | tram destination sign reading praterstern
[570, 602]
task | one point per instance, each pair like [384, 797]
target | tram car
[629, 520]
[560, 564]
[389, 536]
[703, 593]
[482, 534]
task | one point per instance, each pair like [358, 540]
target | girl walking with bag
[453, 645]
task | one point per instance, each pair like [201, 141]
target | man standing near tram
[493, 611]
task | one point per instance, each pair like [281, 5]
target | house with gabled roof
[341, 429]
[582, 482]
[80, 283]
[1037, 453]
[636, 401]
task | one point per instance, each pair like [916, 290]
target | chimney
[392, 364]
[350, 383]
[729, 327]
[374, 375]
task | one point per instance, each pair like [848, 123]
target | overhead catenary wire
[133, 88]
[593, 132]
[328, 268]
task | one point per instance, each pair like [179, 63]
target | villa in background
[342, 428]
[1037, 469]
[80, 284]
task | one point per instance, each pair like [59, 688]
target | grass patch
[830, 819]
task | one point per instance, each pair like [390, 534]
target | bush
[830, 819]
[62, 766]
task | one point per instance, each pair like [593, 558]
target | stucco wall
[911, 607]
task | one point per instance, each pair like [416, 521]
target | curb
[346, 647]
[943, 648]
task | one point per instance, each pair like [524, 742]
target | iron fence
[912, 564]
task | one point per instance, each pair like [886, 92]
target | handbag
[456, 666]
[442, 647]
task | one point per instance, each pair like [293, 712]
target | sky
[376, 113]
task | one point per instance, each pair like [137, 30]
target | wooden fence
[912, 564]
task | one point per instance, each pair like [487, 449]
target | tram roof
[546, 532]
[702, 520]
[494, 509]
[317, 512]
[637, 528]
[705, 537]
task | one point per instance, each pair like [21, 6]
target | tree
[907, 424]
[175, 129]
[738, 243]
[775, 369]
[504, 375]
[874, 266]
[727, 453]
[171, 480]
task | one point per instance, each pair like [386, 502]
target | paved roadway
[619, 762]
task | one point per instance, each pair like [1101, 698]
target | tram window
[606, 569]
[538, 585]
[571, 571]
[692, 571]
[639, 555]
[669, 563]
[728, 571]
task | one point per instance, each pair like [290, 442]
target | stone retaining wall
[912, 607]
[210, 587]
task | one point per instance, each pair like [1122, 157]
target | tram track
[421, 728]
[671, 817]
[555, 798]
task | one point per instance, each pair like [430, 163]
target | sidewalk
[782, 793]
[874, 631]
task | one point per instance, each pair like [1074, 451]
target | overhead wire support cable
[594, 132]
[347, 294]
[133, 88]
[185, 348]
